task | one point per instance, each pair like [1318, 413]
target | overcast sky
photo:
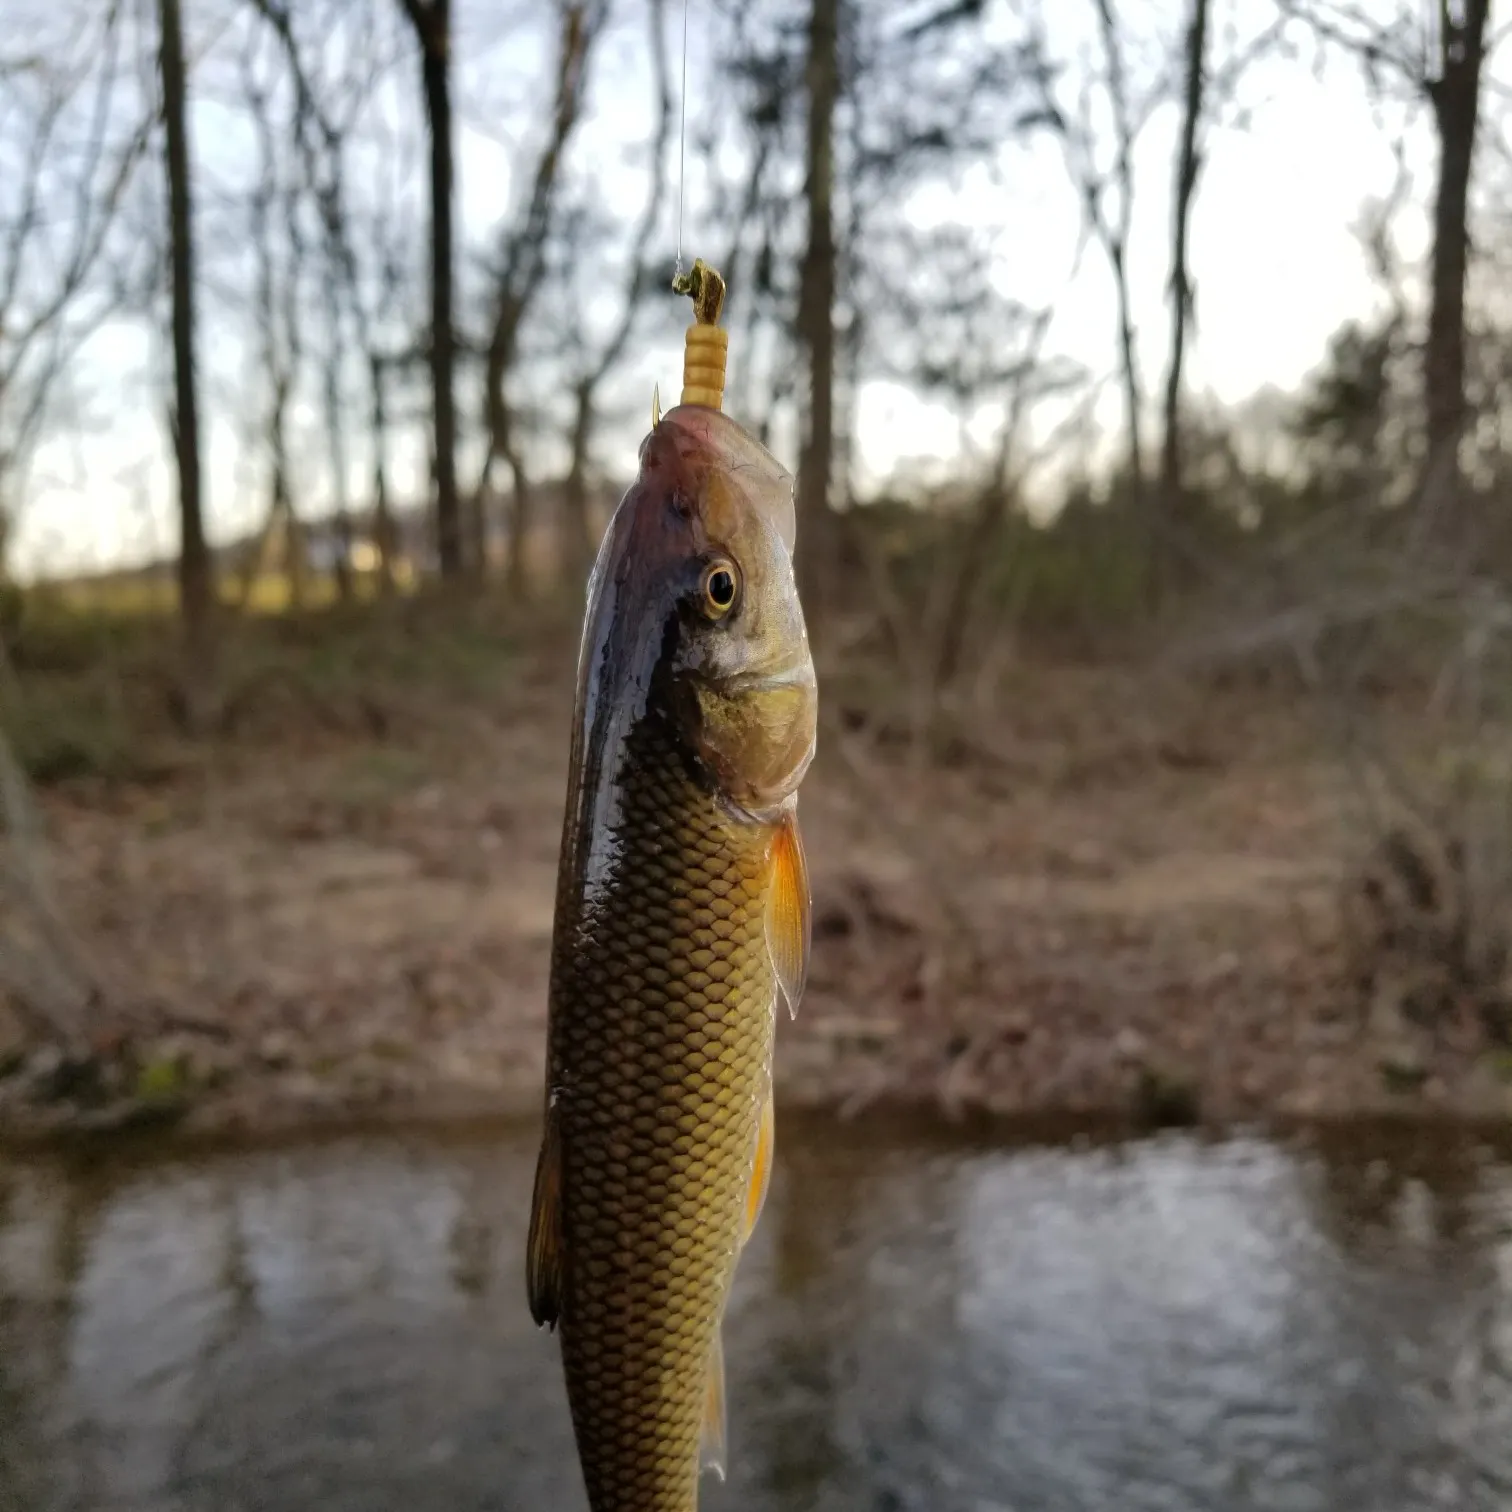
[1277, 264]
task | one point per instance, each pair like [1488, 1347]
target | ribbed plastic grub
[705, 348]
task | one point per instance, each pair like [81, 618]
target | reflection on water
[921, 1325]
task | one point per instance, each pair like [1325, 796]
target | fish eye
[720, 586]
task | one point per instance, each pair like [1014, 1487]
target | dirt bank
[1087, 902]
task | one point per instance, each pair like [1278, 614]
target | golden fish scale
[662, 1036]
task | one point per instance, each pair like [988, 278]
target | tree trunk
[196, 588]
[383, 518]
[1115, 235]
[341, 550]
[1455, 97]
[522, 267]
[976, 553]
[577, 533]
[475, 531]
[521, 521]
[816, 308]
[341, 519]
[1187, 165]
[283, 523]
[432, 23]
[1128, 361]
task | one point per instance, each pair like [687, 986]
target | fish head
[693, 591]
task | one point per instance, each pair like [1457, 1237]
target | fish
[682, 924]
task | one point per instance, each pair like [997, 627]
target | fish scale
[667, 994]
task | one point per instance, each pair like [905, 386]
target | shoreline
[209, 1129]
[1117, 900]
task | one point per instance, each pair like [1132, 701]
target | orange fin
[789, 911]
[711, 1440]
[543, 1263]
[761, 1170]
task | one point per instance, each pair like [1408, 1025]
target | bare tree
[1107, 190]
[816, 301]
[196, 584]
[1442, 64]
[1103, 174]
[387, 356]
[519, 269]
[336, 441]
[74, 163]
[279, 318]
[1455, 97]
[431, 20]
[365, 270]
[764, 75]
[1207, 85]
[1113, 231]
[382, 365]
[901, 99]
[385, 536]
[1187, 164]
[1112, 227]
[637, 284]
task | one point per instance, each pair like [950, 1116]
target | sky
[1278, 264]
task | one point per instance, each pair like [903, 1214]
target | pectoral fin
[543, 1262]
[789, 911]
[761, 1169]
[711, 1442]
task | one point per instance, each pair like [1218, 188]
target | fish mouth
[795, 674]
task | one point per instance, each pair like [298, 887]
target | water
[922, 1324]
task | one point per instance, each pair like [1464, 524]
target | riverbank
[1096, 896]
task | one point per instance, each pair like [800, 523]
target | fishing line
[682, 142]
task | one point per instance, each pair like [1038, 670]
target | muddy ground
[1096, 894]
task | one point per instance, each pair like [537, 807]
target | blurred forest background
[1165, 733]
